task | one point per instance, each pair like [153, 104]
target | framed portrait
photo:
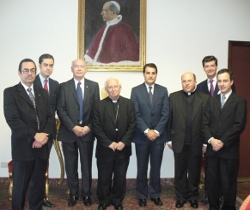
[112, 34]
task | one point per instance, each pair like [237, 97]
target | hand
[36, 145]
[152, 135]
[113, 146]
[204, 149]
[120, 145]
[216, 144]
[41, 138]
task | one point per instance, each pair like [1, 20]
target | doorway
[239, 63]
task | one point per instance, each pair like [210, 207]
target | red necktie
[46, 85]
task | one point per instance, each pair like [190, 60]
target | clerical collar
[190, 93]
[118, 19]
[114, 100]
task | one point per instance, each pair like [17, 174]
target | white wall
[179, 34]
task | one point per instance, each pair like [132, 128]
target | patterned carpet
[58, 196]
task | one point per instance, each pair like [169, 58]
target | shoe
[72, 201]
[48, 204]
[142, 202]
[102, 206]
[179, 204]
[157, 201]
[194, 204]
[118, 207]
[87, 201]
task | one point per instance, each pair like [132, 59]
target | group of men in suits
[189, 121]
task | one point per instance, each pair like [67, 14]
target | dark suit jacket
[105, 125]
[68, 109]
[54, 89]
[225, 124]
[21, 117]
[202, 87]
[152, 116]
[177, 120]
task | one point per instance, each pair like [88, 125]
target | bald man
[184, 129]
[74, 108]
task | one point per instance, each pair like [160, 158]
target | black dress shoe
[157, 201]
[72, 201]
[179, 204]
[87, 201]
[194, 204]
[48, 204]
[142, 202]
[118, 207]
[102, 206]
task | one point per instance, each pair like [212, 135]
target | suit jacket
[21, 118]
[202, 87]
[68, 109]
[225, 124]
[177, 120]
[152, 116]
[105, 125]
[54, 89]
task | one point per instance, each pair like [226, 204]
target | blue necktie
[80, 101]
[150, 94]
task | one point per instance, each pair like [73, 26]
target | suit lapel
[197, 104]
[72, 88]
[181, 103]
[22, 92]
[109, 108]
[144, 93]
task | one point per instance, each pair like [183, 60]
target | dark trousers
[25, 172]
[222, 173]
[187, 174]
[70, 151]
[111, 186]
[144, 152]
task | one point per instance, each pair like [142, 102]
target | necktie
[211, 87]
[46, 85]
[223, 100]
[150, 94]
[32, 98]
[80, 101]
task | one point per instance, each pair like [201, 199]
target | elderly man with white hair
[114, 124]
[115, 42]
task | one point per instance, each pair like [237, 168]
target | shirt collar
[118, 19]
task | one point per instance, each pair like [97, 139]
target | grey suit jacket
[68, 109]
[152, 116]
[177, 120]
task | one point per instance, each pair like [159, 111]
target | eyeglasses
[26, 71]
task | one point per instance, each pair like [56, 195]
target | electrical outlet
[4, 165]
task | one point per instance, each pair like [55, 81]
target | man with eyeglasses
[28, 114]
[76, 100]
[114, 125]
[187, 107]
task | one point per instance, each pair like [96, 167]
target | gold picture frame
[90, 21]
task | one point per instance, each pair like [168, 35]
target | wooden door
[239, 63]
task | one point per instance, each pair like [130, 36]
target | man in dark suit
[43, 80]
[76, 100]
[187, 107]
[152, 109]
[225, 119]
[114, 124]
[28, 113]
